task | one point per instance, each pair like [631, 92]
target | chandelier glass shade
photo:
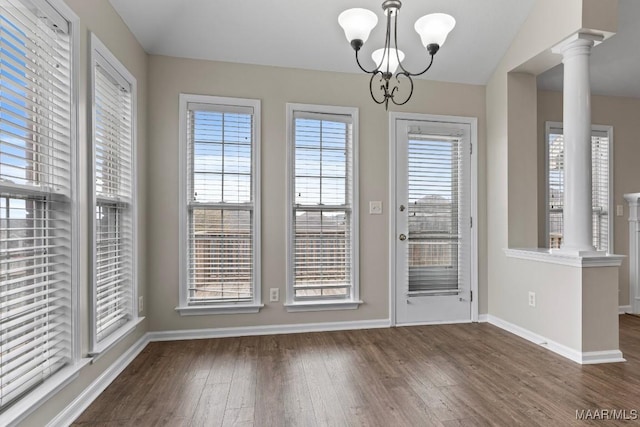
[357, 24]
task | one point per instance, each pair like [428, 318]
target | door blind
[322, 206]
[436, 213]
[113, 183]
[220, 204]
[600, 188]
[35, 189]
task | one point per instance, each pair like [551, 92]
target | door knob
[402, 208]
[403, 237]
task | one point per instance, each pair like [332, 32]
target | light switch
[375, 207]
[619, 210]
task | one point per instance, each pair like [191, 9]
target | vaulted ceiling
[305, 34]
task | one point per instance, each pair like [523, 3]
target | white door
[433, 222]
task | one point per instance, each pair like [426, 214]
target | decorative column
[634, 251]
[578, 232]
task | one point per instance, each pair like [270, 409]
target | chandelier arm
[395, 40]
[408, 76]
[374, 71]
[387, 45]
[421, 72]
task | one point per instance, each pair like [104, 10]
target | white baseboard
[596, 357]
[624, 309]
[444, 322]
[82, 402]
[483, 318]
[584, 358]
[245, 331]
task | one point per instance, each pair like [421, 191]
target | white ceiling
[615, 64]
[305, 33]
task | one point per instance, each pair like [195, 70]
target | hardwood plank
[269, 408]
[327, 407]
[449, 375]
[211, 406]
[242, 391]
[224, 357]
[238, 417]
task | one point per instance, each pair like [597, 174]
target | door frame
[391, 202]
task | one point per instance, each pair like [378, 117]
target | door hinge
[470, 148]
[471, 297]
[471, 221]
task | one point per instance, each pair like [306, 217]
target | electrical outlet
[532, 299]
[274, 295]
[619, 210]
[140, 304]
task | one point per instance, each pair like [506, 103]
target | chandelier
[357, 24]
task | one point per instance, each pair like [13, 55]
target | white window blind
[35, 191]
[221, 204]
[322, 249]
[600, 149]
[114, 254]
[437, 212]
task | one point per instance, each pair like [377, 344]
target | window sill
[196, 310]
[322, 306]
[28, 403]
[113, 339]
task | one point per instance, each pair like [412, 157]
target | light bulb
[357, 23]
[434, 28]
[390, 59]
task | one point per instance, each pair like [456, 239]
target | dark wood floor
[453, 375]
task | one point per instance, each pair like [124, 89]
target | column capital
[578, 44]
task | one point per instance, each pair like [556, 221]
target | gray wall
[622, 114]
[168, 77]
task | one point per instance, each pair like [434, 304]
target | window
[220, 205]
[323, 232]
[113, 154]
[601, 145]
[37, 152]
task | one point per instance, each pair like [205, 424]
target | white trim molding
[69, 414]
[16, 413]
[583, 358]
[322, 305]
[591, 259]
[394, 117]
[349, 115]
[624, 309]
[103, 58]
[435, 323]
[198, 310]
[221, 105]
[246, 331]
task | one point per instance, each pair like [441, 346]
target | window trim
[100, 54]
[32, 400]
[354, 301]
[219, 308]
[558, 127]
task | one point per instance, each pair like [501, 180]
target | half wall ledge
[594, 259]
